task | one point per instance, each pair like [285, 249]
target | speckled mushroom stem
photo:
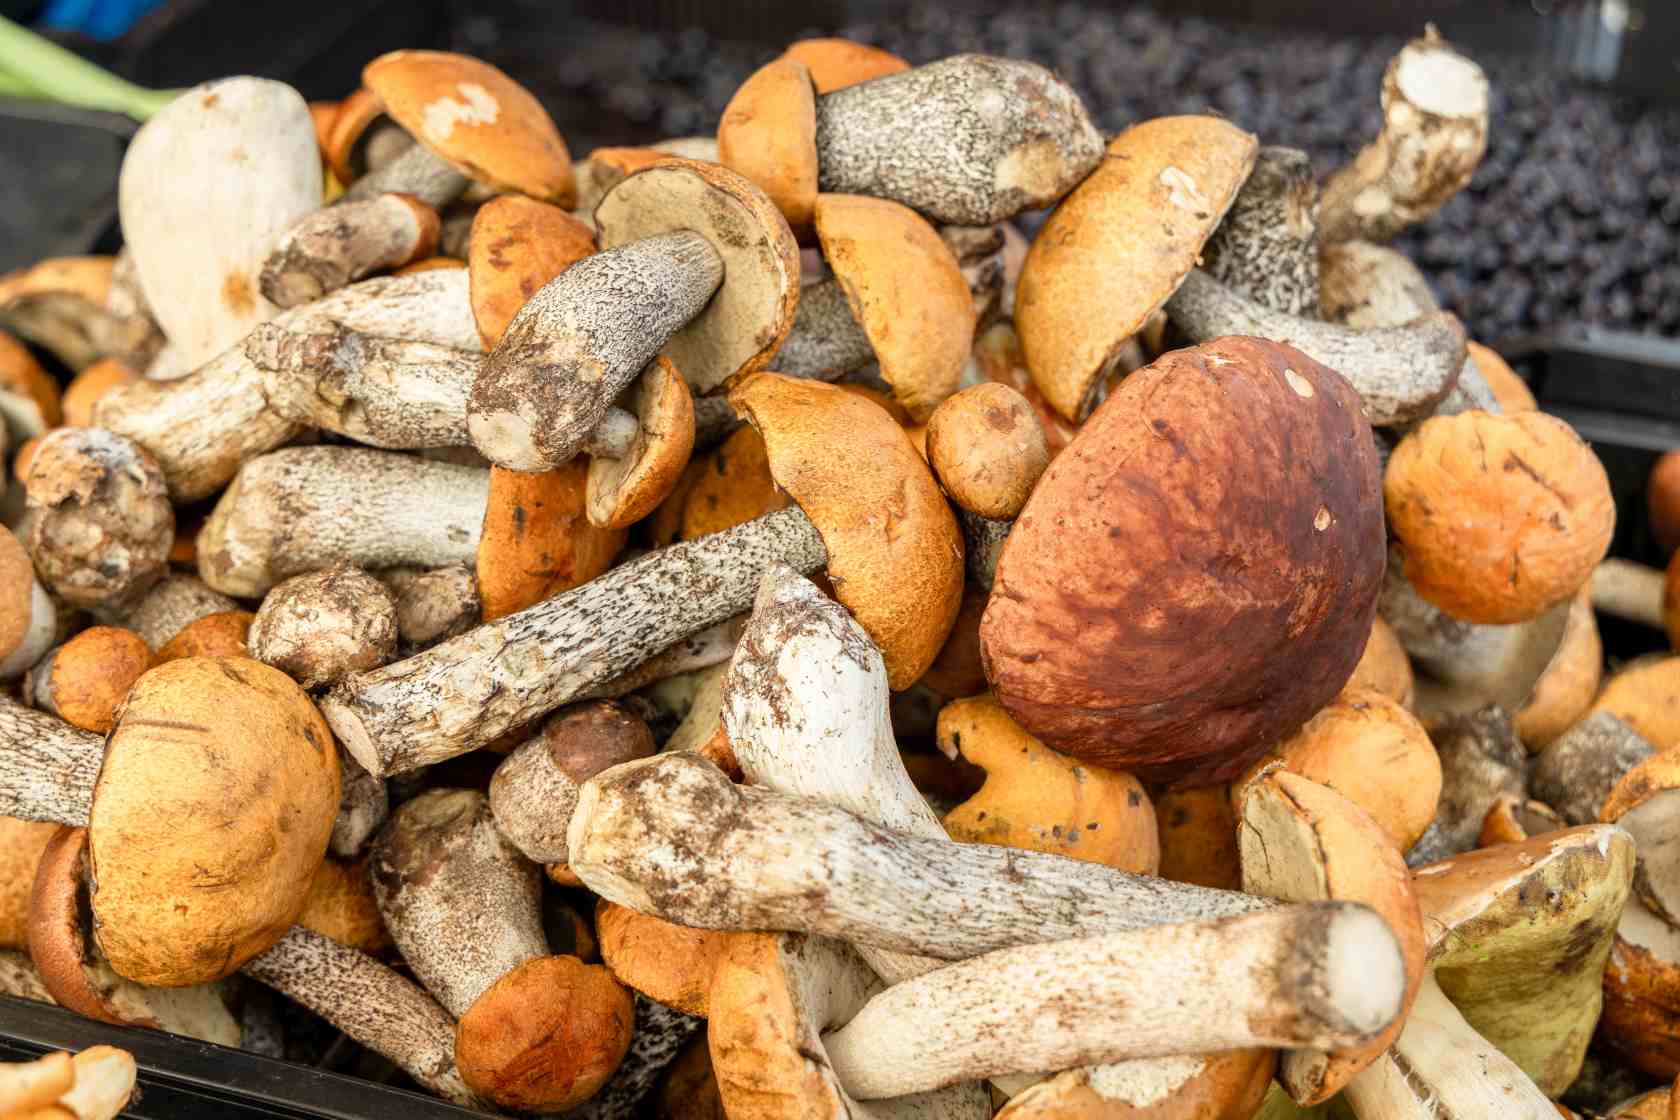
[826, 342]
[579, 342]
[1577, 771]
[1401, 373]
[1266, 247]
[711, 646]
[661, 1033]
[415, 172]
[1629, 590]
[1435, 120]
[373, 509]
[1480, 759]
[47, 767]
[673, 837]
[462, 693]
[363, 807]
[328, 249]
[370, 1003]
[968, 140]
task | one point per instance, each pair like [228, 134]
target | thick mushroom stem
[983, 539]
[1576, 773]
[370, 1003]
[463, 693]
[578, 343]
[1435, 119]
[47, 767]
[1267, 245]
[1442, 1067]
[673, 837]
[826, 342]
[417, 171]
[373, 509]
[329, 248]
[1629, 590]
[1400, 373]
[1320, 975]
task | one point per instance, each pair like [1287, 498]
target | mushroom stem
[1267, 244]
[1400, 373]
[47, 768]
[415, 172]
[613, 436]
[1629, 590]
[714, 419]
[328, 249]
[983, 539]
[1435, 119]
[826, 342]
[370, 1003]
[462, 693]
[1576, 773]
[673, 837]
[1323, 975]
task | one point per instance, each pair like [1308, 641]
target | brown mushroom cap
[536, 541]
[1120, 245]
[18, 597]
[21, 845]
[906, 290]
[355, 113]
[1198, 829]
[749, 317]
[215, 635]
[987, 449]
[622, 491]
[997, 351]
[1196, 574]
[1499, 517]
[475, 118]
[29, 398]
[666, 962]
[546, 1036]
[85, 679]
[212, 811]
[1384, 666]
[517, 246]
[838, 63]
[733, 486]
[341, 905]
[1640, 1023]
[88, 386]
[768, 133]
[894, 550]
[1510, 390]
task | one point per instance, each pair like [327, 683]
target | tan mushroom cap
[768, 133]
[341, 905]
[1037, 799]
[1510, 390]
[211, 813]
[666, 962]
[957, 671]
[987, 449]
[29, 399]
[733, 485]
[88, 386]
[536, 541]
[355, 113]
[17, 595]
[1198, 830]
[21, 845]
[1373, 752]
[518, 245]
[1499, 517]
[476, 118]
[89, 676]
[221, 634]
[1120, 245]
[1227, 1086]
[546, 1036]
[1305, 842]
[997, 352]
[1384, 666]
[748, 318]
[838, 63]
[620, 492]
[1645, 695]
[1640, 1022]
[895, 555]
[906, 289]
[1512, 819]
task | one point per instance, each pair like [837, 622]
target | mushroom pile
[732, 629]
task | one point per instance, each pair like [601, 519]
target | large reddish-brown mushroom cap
[894, 551]
[476, 118]
[1196, 574]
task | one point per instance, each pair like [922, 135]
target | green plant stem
[39, 67]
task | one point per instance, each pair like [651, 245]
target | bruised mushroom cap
[749, 316]
[85, 679]
[894, 550]
[517, 246]
[622, 491]
[906, 289]
[212, 810]
[768, 133]
[477, 119]
[536, 539]
[29, 398]
[1196, 574]
[1224, 1086]
[1384, 666]
[664, 961]
[1120, 245]
[21, 845]
[838, 63]
[1499, 517]
[987, 449]
[1510, 390]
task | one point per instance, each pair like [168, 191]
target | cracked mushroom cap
[477, 119]
[768, 133]
[905, 289]
[894, 549]
[664, 961]
[838, 63]
[537, 540]
[1226, 1086]
[29, 397]
[1120, 245]
[1196, 573]
[84, 680]
[748, 318]
[518, 244]
[28, 619]
[624, 490]
[987, 449]
[212, 810]
[1499, 517]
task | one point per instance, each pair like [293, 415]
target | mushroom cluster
[732, 629]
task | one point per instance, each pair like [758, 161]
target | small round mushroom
[987, 449]
[1498, 517]
[28, 618]
[328, 249]
[222, 634]
[1384, 667]
[102, 524]
[536, 540]
[85, 680]
[318, 627]
[838, 63]
[768, 133]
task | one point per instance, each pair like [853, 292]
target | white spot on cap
[476, 106]
[1322, 520]
[1183, 192]
[1302, 387]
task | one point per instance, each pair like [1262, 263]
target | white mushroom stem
[370, 1003]
[305, 508]
[1628, 590]
[1400, 373]
[1323, 975]
[673, 837]
[462, 693]
[47, 767]
[417, 172]
[362, 808]
[1435, 120]
[173, 603]
[328, 249]
[660, 1034]
[1266, 246]
[1441, 1068]
[826, 341]
[1362, 285]
[712, 646]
